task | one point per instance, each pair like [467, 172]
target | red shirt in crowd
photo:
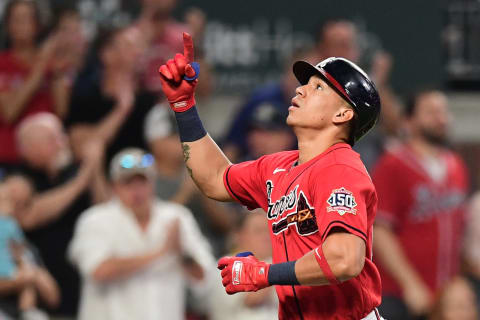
[163, 47]
[303, 203]
[13, 73]
[426, 214]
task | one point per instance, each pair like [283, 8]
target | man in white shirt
[137, 253]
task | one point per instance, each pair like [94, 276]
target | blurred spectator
[421, 187]
[456, 301]
[22, 279]
[73, 48]
[196, 21]
[339, 38]
[136, 253]
[472, 245]
[173, 183]
[113, 107]
[161, 38]
[268, 132]
[162, 34]
[273, 96]
[65, 189]
[252, 235]
[33, 78]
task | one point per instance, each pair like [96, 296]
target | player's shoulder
[344, 159]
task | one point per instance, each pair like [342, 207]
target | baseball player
[319, 200]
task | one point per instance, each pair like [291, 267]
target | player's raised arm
[205, 161]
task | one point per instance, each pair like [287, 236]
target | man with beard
[421, 188]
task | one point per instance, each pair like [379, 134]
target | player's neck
[311, 145]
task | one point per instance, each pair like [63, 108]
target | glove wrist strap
[190, 127]
[283, 274]
[182, 106]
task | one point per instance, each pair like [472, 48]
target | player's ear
[343, 115]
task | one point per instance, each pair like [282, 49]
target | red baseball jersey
[13, 73]
[303, 203]
[426, 214]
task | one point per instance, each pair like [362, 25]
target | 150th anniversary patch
[342, 201]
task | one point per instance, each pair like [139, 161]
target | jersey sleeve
[245, 184]
[343, 197]
[391, 205]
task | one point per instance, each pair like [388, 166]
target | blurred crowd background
[100, 220]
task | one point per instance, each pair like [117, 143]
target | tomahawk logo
[304, 219]
[342, 201]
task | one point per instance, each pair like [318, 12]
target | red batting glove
[180, 92]
[241, 274]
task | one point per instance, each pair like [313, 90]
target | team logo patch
[342, 201]
[304, 219]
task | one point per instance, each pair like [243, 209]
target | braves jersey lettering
[428, 203]
[283, 204]
[303, 204]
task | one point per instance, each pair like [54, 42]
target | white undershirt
[436, 168]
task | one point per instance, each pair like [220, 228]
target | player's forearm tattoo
[186, 151]
[186, 156]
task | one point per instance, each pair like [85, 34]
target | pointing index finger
[188, 47]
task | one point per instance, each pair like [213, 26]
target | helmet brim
[303, 71]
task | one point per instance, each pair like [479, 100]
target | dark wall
[410, 30]
[269, 30]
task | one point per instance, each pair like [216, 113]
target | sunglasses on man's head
[129, 161]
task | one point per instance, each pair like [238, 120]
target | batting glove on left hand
[243, 273]
[179, 77]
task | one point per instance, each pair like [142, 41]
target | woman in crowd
[32, 72]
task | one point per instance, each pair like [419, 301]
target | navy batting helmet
[352, 84]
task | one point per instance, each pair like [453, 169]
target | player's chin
[290, 119]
